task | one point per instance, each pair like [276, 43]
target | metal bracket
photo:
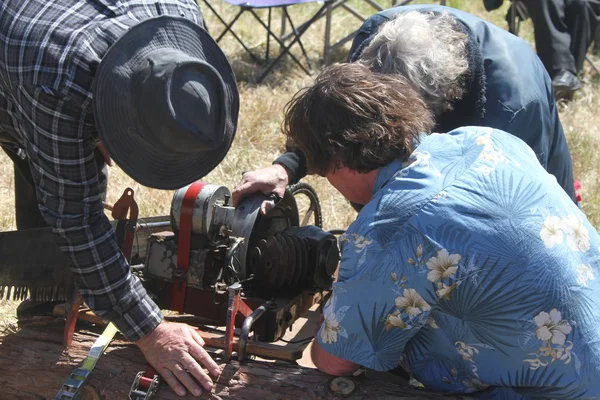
[143, 388]
[248, 322]
[73, 385]
[234, 305]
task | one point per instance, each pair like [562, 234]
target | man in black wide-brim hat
[146, 81]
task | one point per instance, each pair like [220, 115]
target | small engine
[270, 256]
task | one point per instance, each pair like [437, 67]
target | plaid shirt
[49, 52]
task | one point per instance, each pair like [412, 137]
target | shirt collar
[387, 173]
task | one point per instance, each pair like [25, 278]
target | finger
[266, 206]
[172, 381]
[280, 190]
[197, 337]
[196, 370]
[200, 354]
[240, 191]
[187, 380]
[201, 342]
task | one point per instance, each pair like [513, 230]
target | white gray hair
[426, 48]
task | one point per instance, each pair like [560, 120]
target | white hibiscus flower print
[443, 291]
[467, 352]
[578, 237]
[332, 325]
[394, 320]
[585, 274]
[329, 331]
[551, 328]
[412, 303]
[474, 385]
[483, 140]
[432, 324]
[442, 266]
[551, 232]
[359, 241]
[417, 159]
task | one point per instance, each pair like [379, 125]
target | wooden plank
[34, 366]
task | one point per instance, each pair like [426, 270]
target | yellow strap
[99, 346]
[71, 388]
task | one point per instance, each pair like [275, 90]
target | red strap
[148, 376]
[577, 190]
[183, 243]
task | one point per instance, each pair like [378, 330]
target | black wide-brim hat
[166, 102]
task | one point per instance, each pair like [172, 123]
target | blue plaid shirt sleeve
[68, 188]
[49, 53]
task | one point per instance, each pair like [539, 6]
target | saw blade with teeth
[32, 265]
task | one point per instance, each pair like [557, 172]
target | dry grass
[259, 141]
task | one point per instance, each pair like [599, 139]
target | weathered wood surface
[33, 365]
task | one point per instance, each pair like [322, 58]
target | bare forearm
[329, 363]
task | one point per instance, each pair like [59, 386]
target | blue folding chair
[295, 35]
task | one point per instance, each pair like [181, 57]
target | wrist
[149, 335]
[284, 173]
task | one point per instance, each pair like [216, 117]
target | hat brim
[122, 134]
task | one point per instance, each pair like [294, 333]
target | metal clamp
[248, 322]
[141, 391]
[71, 387]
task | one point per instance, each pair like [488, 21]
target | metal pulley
[209, 197]
[251, 225]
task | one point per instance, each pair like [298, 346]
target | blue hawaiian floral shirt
[473, 269]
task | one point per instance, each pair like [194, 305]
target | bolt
[342, 386]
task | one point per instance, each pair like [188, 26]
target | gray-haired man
[469, 72]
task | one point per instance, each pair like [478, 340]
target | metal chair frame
[295, 35]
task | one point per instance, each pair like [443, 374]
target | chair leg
[299, 41]
[281, 43]
[588, 59]
[286, 49]
[229, 28]
[327, 40]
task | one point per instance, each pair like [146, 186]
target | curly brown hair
[356, 118]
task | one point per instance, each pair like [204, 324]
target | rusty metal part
[342, 386]
[126, 205]
[227, 373]
[248, 322]
[43, 271]
[72, 312]
[235, 304]
[44, 274]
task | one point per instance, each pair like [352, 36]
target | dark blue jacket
[519, 96]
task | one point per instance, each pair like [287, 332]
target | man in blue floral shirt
[468, 265]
